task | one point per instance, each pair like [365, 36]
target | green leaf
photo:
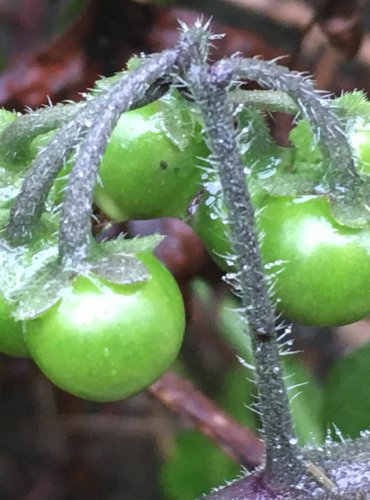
[22, 267]
[279, 170]
[233, 329]
[353, 104]
[6, 118]
[291, 178]
[6, 156]
[352, 209]
[346, 393]
[116, 260]
[304, 144]
[306, 401]
[179, 121]
[134, 245]
[28, 273]
[133, 63]
[195, 466]
[239, 393]
[106, 82]
[121, 269]
[19, 265]
[34, 280]
[42, 292]
[259, 152]
[10, 185]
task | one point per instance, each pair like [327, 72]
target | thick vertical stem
[209, 91]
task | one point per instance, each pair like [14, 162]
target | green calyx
[34, 278]
[302, 168]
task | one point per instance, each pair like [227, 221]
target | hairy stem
[75, 229]
[209, 89]
[30, 203]
[16, 139]
[342, 175]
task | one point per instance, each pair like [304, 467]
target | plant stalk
[75, 229]
[209, 88]
[16, 139]
[346, 187]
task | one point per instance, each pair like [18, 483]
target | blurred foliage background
[195, 428]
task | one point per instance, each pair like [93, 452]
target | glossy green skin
[325, 279]
[105, 342]
[11, 333]
[320, 271]
[213, 231]
[143, 174]
[212, 228]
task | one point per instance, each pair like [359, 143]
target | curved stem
[75, 229]
[283, 461]
[30, 202]
[16, 139]
[342, 175]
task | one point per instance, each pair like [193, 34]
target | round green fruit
[320, 270]
[105, 342]
[323, 268]
[143, 173]
[11, 333]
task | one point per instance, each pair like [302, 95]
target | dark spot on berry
[163, 165]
